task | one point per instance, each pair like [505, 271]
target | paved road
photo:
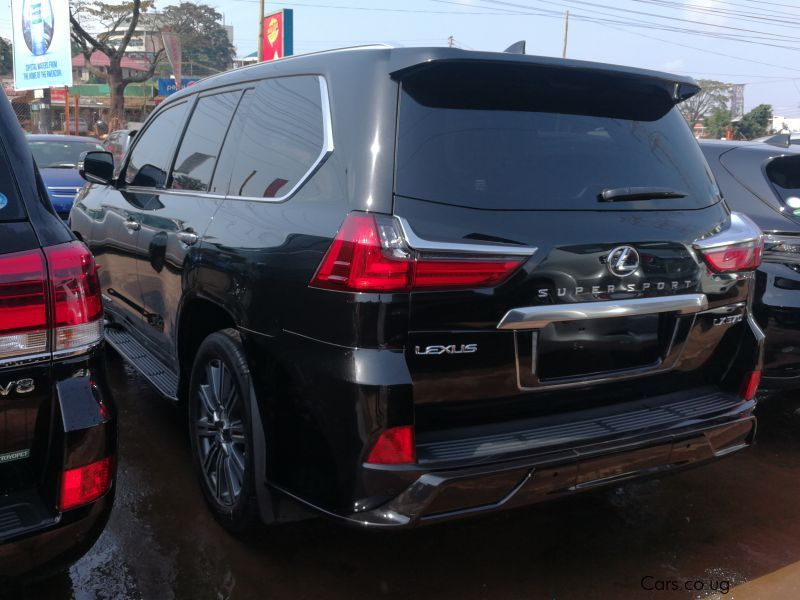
[732, 523]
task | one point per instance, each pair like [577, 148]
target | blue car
[57, 157]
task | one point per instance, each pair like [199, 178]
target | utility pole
[566, 35]
[260, 30]
[450, 41]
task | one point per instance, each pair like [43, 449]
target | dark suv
[404, 285]
[763, 181]
[57, 430]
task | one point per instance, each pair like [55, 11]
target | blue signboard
[166, 85]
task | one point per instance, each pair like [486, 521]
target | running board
[160, 376]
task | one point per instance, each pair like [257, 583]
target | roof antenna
[516, 48]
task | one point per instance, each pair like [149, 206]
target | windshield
[547, 145]
[50, 154]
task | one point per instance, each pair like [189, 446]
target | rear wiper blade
[638, 193]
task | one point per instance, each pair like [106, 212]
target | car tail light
[736, 257]
[750, 385]
[370, 254]
[75, 293]
[49, 301]
[395, 446]
[23, 304]
[737, 248]
[85, 484]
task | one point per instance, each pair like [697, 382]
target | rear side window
[197, 156]
[149, 162]
[282, 137]
[490, 137]
[11, 208]
[784, 173]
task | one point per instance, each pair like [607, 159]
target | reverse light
[749, 385]
[395, 446]
[85, 484]
[370, 254]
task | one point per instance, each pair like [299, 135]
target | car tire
[220, 429]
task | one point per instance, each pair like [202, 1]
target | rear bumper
[35, 538]
[439, 494]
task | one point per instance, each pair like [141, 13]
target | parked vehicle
[406, 285]
[57, 427]
[57, 157]
[763, 181]
[117, 143]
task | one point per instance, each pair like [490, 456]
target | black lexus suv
[57, 429]
[403, 285]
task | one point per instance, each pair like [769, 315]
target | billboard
[277, 35]
[167, 87]
[737, 101]
[41, 38]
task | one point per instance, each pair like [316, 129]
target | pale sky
[743, 41]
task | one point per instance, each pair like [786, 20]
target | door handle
[132, 225]
[187, 237]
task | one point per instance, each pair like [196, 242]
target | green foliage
[712, 95]
[754, 124]
[717, 123]
[6, 57]
[205, 45]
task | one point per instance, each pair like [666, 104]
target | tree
[117, 23]
[754, 124]
[6, 57]
[712, 94]
[717, 123]
[204, 42]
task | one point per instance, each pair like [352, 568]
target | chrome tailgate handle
[537, 317]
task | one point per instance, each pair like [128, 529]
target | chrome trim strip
[536, 317]
[417, 243]
[327, 150]
[742, 229]
[77, 351]
[25, 360]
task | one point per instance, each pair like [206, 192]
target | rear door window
[281, 137]
[197, 156]
[11, 208]
[496, 138]
[149, 163]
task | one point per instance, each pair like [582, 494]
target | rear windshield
[784, 173]
[58, 154]
[489, 139]
[11, 208]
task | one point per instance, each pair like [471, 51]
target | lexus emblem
[622, 261]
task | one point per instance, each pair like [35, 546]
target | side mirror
[97, 167]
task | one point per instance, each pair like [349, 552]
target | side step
[159, 375]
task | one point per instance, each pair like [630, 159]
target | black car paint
[333, 370]
[740, 170]
[68, 419]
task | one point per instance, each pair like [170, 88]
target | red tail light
[55, 293]
[85, 484]
[77, 306]
[736, 257]
[750, 385]
[369, 254]
[395, 446]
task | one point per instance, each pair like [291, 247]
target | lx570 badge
[451, 349]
